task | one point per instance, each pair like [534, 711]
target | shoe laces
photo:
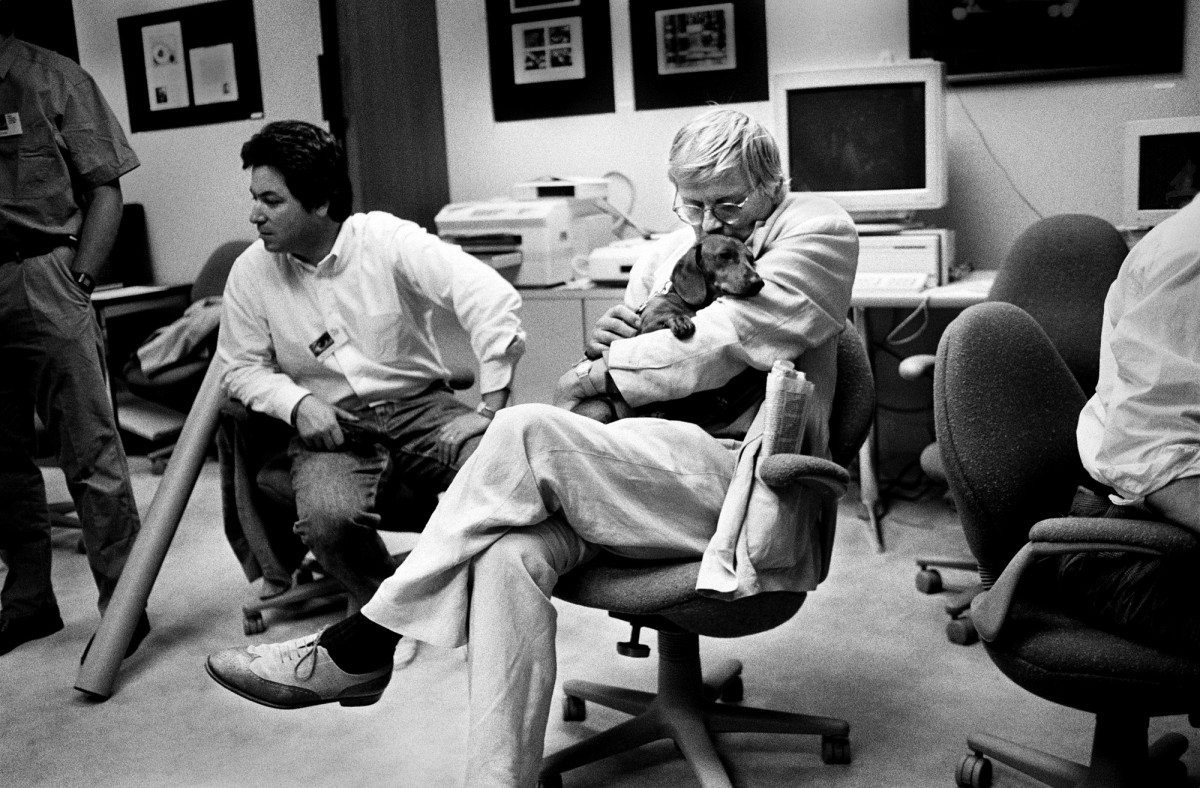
[300, 652]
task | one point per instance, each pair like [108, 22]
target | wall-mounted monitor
[872, 138]
[1162, 168]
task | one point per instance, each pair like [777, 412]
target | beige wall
[1059, 141]
[191, 180]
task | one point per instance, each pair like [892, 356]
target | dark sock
[357, 644]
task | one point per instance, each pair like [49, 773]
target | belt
[15, 253]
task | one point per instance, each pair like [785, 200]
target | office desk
[972, 289]
[132, 300]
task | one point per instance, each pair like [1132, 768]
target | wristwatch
[483, 410]
[85, 281]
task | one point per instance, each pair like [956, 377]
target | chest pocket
[33, 162]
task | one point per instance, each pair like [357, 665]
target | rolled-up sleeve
[486, 305]
[810, 252]
[1141, 430]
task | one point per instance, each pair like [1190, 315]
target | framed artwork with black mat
[687, 54]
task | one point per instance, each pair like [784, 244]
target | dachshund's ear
[687, 279]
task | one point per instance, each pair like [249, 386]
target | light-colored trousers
[544, 489]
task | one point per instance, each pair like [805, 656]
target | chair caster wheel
[253, 624]
[974, 771]
[733, 691]
[961, 631]
[929, 581]
[550, 781]
[835, 749]
[574, 709]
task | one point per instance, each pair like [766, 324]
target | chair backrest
[1005, 408]
[1059, 271]
[211, 279]
[854, 400]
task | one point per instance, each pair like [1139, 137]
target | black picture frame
[988, 41]
[723, 69]
[550, 59]
[220, 38]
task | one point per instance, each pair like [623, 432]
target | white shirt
[355, 327]
[1141, 429]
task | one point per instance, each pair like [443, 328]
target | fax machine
[546, 240]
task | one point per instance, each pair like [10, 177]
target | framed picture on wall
[694, 53]
[549, 59]
[985, 41]
[191, 66]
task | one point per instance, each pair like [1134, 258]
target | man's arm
[102, 209]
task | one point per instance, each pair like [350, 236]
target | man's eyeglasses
[725, 212]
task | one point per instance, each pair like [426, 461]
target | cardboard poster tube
[99, 670]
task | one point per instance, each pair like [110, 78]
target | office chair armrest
[914, 367]
[824, 476]
[1064, 535]
[1160, 536]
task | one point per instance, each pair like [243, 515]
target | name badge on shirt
[10, 126]
[328, 342]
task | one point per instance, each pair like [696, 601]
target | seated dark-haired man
[326, 326]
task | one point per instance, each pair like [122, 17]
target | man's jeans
[51, 361]
[337, 491]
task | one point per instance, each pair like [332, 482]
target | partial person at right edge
[1139, 437]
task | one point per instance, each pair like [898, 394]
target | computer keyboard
[891, 282]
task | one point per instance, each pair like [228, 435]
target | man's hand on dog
[619, 322]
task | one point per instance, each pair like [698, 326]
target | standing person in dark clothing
[62, 154]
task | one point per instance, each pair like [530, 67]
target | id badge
[323, 346]
[10, 124]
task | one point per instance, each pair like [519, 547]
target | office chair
[1005, 409]
[1059, 271]
[662, 595]
[259, 509]
[176, 384]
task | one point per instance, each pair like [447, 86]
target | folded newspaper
[788, 398]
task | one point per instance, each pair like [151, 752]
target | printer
[534, 242]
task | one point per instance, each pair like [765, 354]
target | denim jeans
[337, 492]
[51, 359]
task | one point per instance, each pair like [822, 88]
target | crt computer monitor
[1162, 168]
[872, 138]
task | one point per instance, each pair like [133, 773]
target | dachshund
[717, 265]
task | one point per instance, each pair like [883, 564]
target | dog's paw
[682, 326]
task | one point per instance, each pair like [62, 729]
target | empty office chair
[175, 385]
[662, 595]
[1006, 406]
[1059, 271]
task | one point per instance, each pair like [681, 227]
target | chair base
[308, 595]
[1120, 759]
[959, 629]
[686, 710]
